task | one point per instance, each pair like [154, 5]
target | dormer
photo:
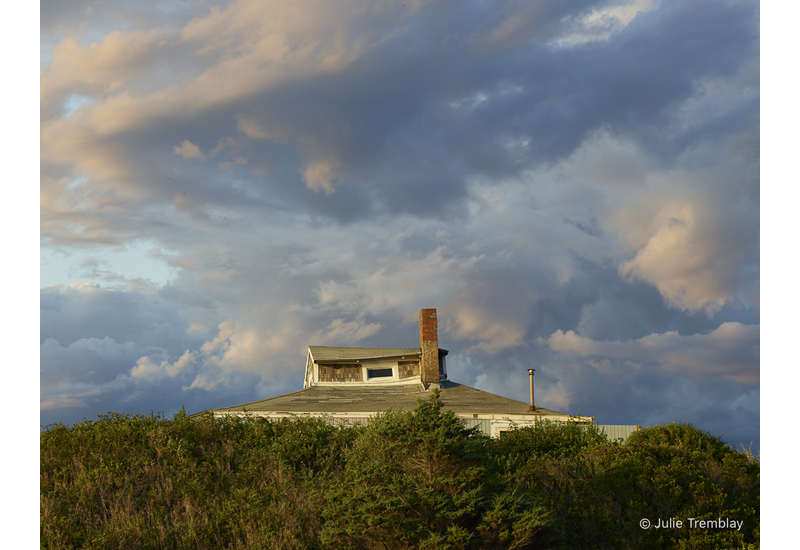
[329, 365]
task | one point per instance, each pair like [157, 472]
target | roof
[335, 354]
[360, 399]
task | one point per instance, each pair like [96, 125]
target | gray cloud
[106, 349]
[397, 120]
[579, 170]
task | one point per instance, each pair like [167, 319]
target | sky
[573, 185]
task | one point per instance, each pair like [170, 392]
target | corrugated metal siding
[615, 432]
[484, 424]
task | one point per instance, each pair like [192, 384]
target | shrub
[683, 436]
[148, 482]
[599, 495]
[546, 439]
[418, 479]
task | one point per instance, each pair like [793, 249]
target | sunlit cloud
[730, 352]
[189, 150]
[571, 184]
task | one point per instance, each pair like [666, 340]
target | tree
[420, 479]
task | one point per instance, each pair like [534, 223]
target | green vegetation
[411, 479]
[421, 479]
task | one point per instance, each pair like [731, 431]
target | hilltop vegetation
[411, 479]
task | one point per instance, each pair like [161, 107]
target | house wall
[618, 432]
[408, 369]
[484, 424]
[495, 427]
[491, 425]
[341, 373]
[403, 371]
[309, 380]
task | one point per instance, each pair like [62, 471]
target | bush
[683, 436]
[547, 439]
[411, 479]
[418, 479]
[599, 494]
[203, 482]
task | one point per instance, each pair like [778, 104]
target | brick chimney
[429, 343]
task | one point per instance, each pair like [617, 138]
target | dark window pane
[378, 373]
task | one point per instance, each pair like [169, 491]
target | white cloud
[340, 332]
[62, 401]
[207, 383]
[729, 352]
[146, 369]
[188, 150]
[368, 163]
[103, 67]
[318, 176]
[236, 347]
[400, 285]
[679, 261]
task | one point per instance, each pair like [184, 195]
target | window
[373, 374]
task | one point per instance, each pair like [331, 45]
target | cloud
[103, 67]
[62, 402]
[581, 174]
[340, 331]
[677, 262]
[318, 176]
[694, 250]
[352, 105]
[145, 368]
[102, 347]
[399, 285]
[729, 352]
[560, 22]
[493, 313]
[188, 150]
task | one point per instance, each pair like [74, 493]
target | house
[348, 385]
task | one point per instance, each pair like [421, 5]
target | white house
[349, 385]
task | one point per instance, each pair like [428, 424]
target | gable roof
[360, 399]
[334, 354]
